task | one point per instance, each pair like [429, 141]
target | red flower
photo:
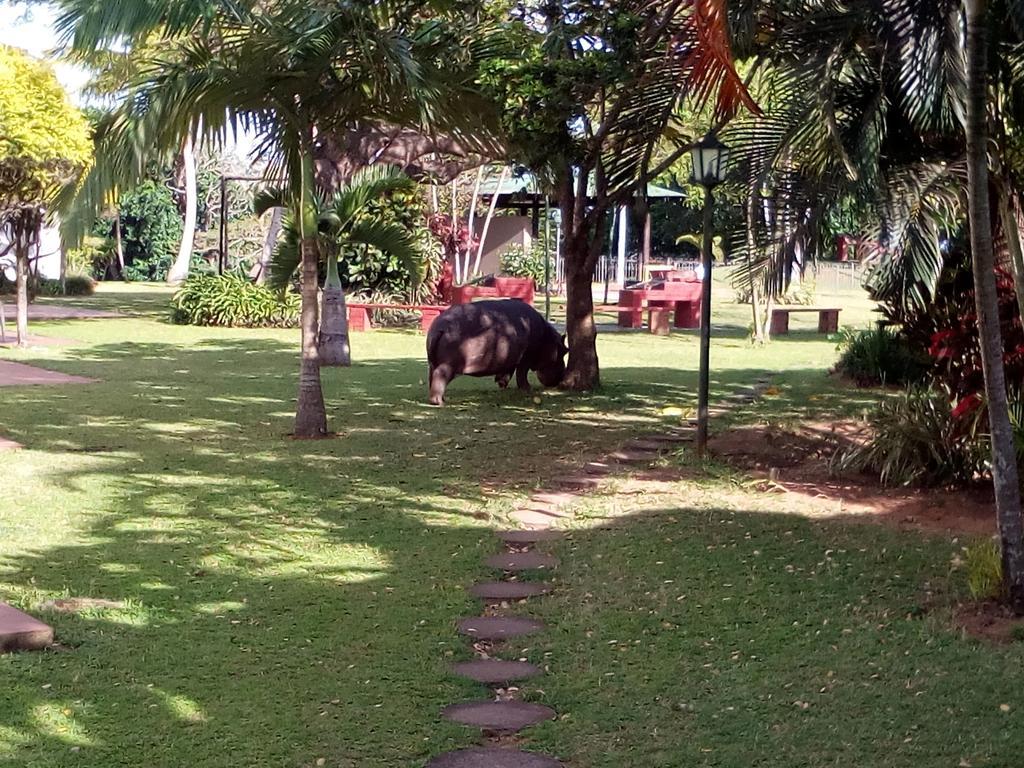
[968, 405]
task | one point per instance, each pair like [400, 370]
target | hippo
[493, 338]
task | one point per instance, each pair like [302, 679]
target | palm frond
[366, 185]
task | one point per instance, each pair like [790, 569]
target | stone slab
[598, 468]
[489, 757]
[632, 457]
[8, 445]
[509, 590]
[522, 561]
[504, 716]
[528, 537]
[21, 632]
[498, 627]
[20, 375]
[496, 671]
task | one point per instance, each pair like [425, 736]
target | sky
[31, 29]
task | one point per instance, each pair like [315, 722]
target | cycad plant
[341, 222]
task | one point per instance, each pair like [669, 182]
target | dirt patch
[794, 462]
[989, 621]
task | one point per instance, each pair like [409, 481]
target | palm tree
[1004, 455]
[341, 223]
[285, 72]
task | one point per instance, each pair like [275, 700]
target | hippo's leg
[439, 378]
[503, 379]
[522, 374]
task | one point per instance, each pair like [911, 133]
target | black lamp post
[710, 160]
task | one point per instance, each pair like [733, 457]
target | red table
[680, 291]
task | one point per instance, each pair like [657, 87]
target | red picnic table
[668, 290]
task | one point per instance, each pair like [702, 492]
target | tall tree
[44, 144]
[587, 108]
[1004, 455]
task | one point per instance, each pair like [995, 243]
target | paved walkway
[20, 375]
[503, 713]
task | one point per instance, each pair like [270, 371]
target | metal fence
[837, 276]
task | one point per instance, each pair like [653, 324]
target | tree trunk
[583, 370]
[179, 270]
[269, 243]
[1004, 458]
[1008, 218]
[310, 411]
[21, 248]
[334, 342]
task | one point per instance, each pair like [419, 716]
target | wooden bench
[828, 319]
[359, 316]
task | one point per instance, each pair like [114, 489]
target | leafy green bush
[518, 262]
[232, 300]
[881, 356]
[150, 232]
[985, 570]
[916, 441]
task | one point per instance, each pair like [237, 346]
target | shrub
[881, 356]
[518, 262]
[232, 300]
[985, 570]
[916, 440]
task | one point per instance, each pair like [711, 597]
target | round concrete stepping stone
[498, 627]
[521, 561]
[631, 457]
[494, 671]
[597, 468]
[509, 590]
[528, 537]
[505, 716]
[486, 757]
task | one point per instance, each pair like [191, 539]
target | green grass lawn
[289, 601]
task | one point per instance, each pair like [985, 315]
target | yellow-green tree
[44, 145]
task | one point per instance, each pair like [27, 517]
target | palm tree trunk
[179, 270]
[1008, 218]
[310, 411]
[1004, 459]
[21, 256]
[334, 342]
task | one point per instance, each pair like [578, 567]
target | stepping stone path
[508, 714]
[20, 632]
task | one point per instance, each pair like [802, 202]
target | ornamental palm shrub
[233, 300]
[917, 439]
[881, 355]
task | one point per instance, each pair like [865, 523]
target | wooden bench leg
[633, 318]
[357, 318]
[828, 321]
[780, 322]
[427, 319]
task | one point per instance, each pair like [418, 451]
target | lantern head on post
[710, 161]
